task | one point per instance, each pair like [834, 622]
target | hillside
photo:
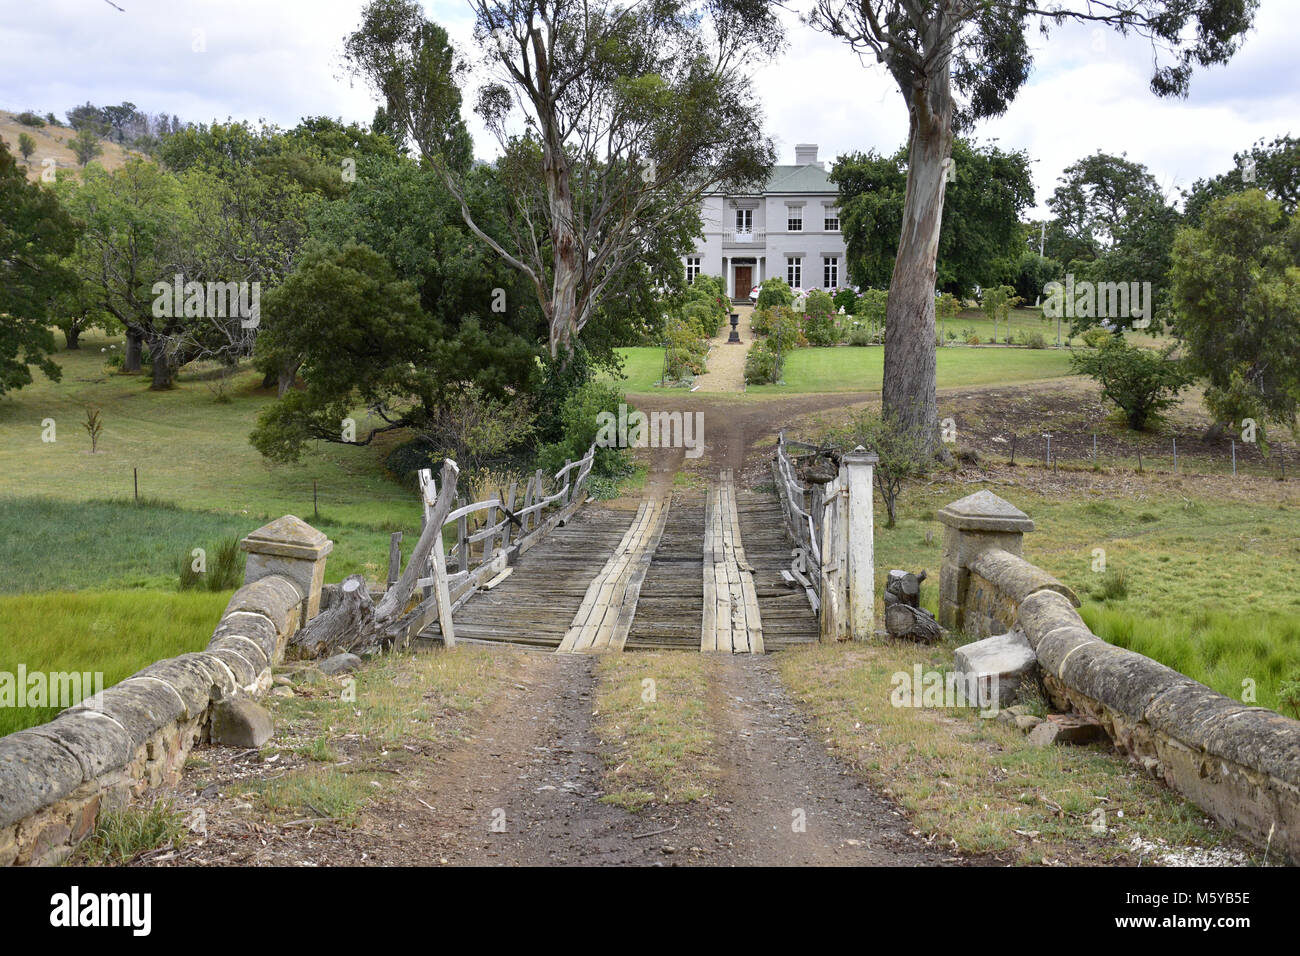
[52, 141]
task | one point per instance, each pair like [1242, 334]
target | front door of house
[744, 281]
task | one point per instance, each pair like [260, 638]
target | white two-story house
[790, 229]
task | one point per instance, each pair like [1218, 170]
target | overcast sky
[279, 60]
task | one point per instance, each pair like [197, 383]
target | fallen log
[902, 621]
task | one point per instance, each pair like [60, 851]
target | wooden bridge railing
[831, 525]
[489, 535]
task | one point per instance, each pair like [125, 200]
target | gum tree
[959, 61]
[630, 113]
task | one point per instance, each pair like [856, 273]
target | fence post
[860, 467]
[437, 561]
[462, 536]
[394, 558]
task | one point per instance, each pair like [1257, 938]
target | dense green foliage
[1236, 289]
[35, 235]
[980, 239]
[1141, 382]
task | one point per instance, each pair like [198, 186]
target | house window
[794, 272]
[832, 222]
[794, 220]
[830, 272]
[744, 220]
[692, 269]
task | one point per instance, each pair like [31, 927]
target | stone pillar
[860, 465]
[292, 549]
[971, 525]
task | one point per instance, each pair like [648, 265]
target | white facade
[791, 230]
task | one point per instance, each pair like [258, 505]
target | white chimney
[805, 154]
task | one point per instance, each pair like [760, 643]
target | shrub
[785, 330]
[820, 325]
[1140, 382]
[774, 292]
[1034, 340]
[1288, 692]
[686, 350]
[580, 422]
[762, 366]
[28, 118]
[1096, 337]
[861, 336]
[847, 300]
[904, 453]
[872, 305]
[703, 317]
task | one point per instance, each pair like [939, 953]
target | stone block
[1067, 729]
[96, 741]
[1004, 661]
[1015, 577]
[35, 771]
[276, 597]
[140, 706]
[238, 722]
[1121, 680]
[340, 664]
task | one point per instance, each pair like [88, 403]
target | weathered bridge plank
[535, 605]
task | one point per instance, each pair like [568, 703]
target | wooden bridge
[722, 569]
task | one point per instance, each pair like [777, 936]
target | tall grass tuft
[1241, 659]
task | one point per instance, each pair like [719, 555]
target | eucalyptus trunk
[908, 395]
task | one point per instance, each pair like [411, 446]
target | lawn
[850, 369]
[642, 368]
[190, 449]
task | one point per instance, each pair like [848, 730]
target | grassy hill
[52, 141]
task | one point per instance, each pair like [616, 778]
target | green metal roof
[799, 179]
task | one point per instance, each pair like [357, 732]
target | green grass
[115, 633]
[850, 369]
[122, 835]
[189, 448]
[47, 544]
[642, 367]
[977, 783]
[1208, 585]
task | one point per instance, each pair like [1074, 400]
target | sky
[280, 60]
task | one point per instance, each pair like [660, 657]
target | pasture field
[1202, 584]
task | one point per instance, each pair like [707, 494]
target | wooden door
[744, 281]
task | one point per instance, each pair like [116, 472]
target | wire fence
[1182, 454]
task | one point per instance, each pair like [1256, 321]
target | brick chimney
[805, 154]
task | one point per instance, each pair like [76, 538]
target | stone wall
[55, 779]
[1239, 763]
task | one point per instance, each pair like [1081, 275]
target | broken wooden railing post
[438, 562]
[462, 537]
[394, 558]
[860, 466]
[293, 549]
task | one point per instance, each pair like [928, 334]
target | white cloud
[281, 61]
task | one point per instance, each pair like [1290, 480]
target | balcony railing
[744, 237]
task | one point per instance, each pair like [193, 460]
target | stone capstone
[238, 722]
[1004, 661]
